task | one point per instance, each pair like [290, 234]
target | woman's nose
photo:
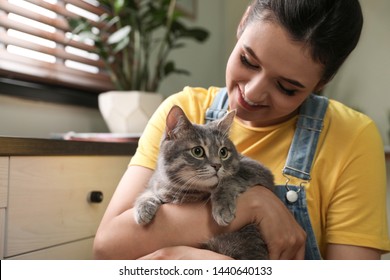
[257, 90]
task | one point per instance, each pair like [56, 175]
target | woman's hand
[184, 253]
[119, 237]
[284, 236]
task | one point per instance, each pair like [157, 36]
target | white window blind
[36, 45]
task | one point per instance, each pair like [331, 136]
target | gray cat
[200, 162]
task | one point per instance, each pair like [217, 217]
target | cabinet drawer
[2, 232]
[48, 203]
[3, 181]
[78, 250]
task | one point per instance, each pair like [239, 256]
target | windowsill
[48, 93]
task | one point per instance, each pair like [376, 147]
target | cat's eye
[197, 152]
[224, 153]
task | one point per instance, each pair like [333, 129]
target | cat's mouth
[208, 182]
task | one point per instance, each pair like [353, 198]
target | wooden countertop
[17, 146]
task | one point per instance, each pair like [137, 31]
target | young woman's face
[268, 75]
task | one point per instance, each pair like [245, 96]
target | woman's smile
[248, 104]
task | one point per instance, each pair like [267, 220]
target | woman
[285, 51]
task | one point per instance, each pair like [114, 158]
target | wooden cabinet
[45, 206]
[3, 200]
[48, 200]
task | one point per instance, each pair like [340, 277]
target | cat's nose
[216, 166]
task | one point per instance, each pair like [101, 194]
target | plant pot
[128, 111]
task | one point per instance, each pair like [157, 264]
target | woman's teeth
[249, 101]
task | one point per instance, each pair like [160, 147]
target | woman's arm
[184, 253]
[347, 252]
[289, 243]
[119, 237]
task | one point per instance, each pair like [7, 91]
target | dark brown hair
[330, 28]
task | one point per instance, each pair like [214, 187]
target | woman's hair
[330, 28]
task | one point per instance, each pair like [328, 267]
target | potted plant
[134, 39]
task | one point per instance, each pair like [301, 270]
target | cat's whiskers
[205, 201]
[186, 187]
[180, 189]
[206, 174]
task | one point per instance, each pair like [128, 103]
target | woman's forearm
[187, 225]
[184, 253]
[122, 238]
[119, 237]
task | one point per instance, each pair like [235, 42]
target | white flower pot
[128, 111]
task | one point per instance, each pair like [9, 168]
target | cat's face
[198, 156]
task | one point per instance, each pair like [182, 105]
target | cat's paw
[223, 214]
[145, 210]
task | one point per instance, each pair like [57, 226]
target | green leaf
[119, 35]
[170, 68]
[118, 6]
[110, 23]
[182, 72]
[104, 17]
[78, 25]
[177, 46]
[122, 44]
[181, 31]
[198, 34]
[88, 35]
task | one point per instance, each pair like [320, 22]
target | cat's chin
[208, 184]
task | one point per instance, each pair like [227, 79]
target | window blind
[36, 44]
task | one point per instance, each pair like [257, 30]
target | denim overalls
[299, 159]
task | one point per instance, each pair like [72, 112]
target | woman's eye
[224, 153]
[198, 152]
[245, 61]
[289, 92]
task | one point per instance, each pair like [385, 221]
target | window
[36, 45]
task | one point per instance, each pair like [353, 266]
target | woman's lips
[248, 104]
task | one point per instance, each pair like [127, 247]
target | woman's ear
[243, 22]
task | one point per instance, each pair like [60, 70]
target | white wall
[364, 81]
[26, 118]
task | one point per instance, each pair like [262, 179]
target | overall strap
[219, 106]
[304, 144]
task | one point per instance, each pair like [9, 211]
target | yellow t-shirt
[346, 196]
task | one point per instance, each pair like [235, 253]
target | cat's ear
[176, 122]
[226, 122]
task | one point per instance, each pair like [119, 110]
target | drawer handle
[95, 197]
